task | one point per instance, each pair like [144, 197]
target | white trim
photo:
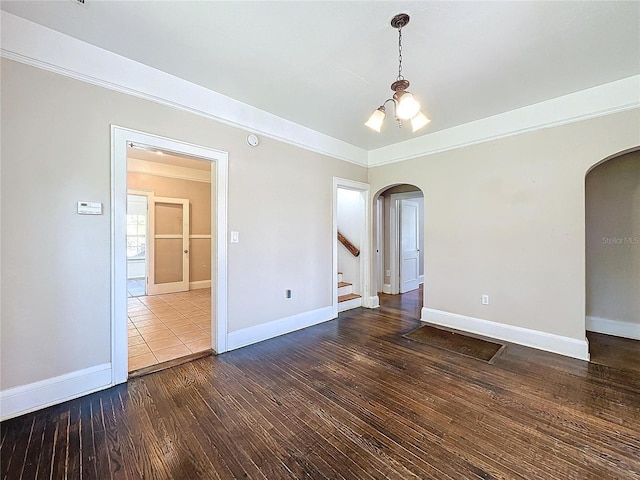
[606, 99]
[145, 167]
[365, 248]
[386, 288]
[198, 284]
[219, 175]
[34, 396]
[275, 328]
[608, 326]
[374, 302]
[549, 342]
[379, 239]
[27, 42]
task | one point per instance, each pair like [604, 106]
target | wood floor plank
[73, 442]
[87, 456]
[36, 447]
[60, 443]
[348, 399]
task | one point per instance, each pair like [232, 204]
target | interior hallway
[169, 326]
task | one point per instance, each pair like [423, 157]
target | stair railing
[355, 251]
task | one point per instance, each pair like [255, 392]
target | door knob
[186, 251]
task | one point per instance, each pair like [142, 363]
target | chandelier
[406, 107]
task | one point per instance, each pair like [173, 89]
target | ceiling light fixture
[406, 107]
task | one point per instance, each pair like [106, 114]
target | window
[136, 236]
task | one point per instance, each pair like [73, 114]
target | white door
[379, 244]
[409, 245]
[169, 245]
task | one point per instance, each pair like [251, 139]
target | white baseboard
[34, 396]
[374, 302]
[199, 284]
[618, 328]
[275, 328]
[549, 342]
[386, 288]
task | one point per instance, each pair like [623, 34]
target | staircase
[346, 298]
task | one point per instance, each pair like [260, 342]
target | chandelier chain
[400, 77]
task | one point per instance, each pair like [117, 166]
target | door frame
[368, 300]
[394, 236]
[379, 247]
[120, 138]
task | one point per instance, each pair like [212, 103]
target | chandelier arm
[395, 106]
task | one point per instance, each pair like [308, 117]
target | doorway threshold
[169, 364]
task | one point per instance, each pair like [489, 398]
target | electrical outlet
[485, 299]
[387, 273]
[287, 293]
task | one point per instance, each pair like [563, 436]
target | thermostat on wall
[89, 208]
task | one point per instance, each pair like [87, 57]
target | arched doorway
[398, 239]
[612, 247]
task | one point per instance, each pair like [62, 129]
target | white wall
[350, 219]
[56, 149]
[613, 244]
[507, 218]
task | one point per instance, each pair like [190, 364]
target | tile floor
[164, 327]
[135, 287]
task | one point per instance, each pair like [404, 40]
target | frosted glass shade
[376, 119]
[419, 121]
[407, 106]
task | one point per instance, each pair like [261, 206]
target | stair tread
[348, 296]
[343, 284]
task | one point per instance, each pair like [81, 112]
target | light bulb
[407, 106]
[376, 119]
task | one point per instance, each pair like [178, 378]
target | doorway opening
[181, 241]
[351, 252]
[399, 226]
[169, 231]
[612, 247]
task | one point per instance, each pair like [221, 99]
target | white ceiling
[328, 65]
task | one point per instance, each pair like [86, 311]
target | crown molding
[593, 102]
[30, 43]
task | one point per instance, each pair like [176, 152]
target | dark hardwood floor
[347, 399]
